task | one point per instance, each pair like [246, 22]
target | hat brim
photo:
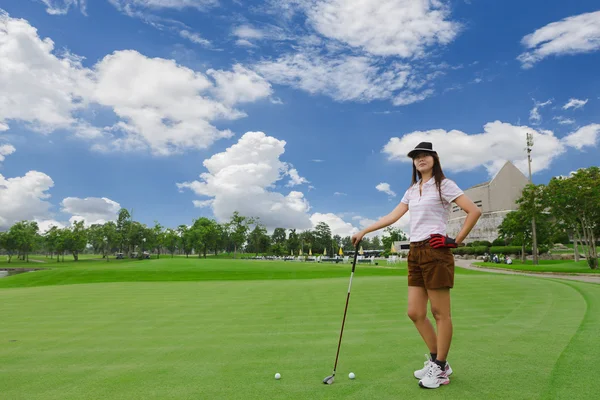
[419, 150]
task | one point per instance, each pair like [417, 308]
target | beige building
[495, 198]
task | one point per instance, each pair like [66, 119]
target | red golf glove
[438, 241]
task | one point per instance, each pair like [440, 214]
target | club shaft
[345, 311]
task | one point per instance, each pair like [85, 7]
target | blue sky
[296, 111]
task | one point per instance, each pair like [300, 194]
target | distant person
[430, 259]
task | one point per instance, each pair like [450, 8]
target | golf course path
[579, 277]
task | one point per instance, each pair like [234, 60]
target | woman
[430, 260]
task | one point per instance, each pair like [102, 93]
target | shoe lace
[434, 370]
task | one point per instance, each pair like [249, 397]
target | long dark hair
[438, 174]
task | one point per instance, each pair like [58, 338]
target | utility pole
[533, 230]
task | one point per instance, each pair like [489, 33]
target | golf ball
[277, 375]
[351, 375]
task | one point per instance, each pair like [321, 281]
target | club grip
[355, 255]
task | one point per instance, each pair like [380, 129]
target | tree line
[204, 236]
[567, 208]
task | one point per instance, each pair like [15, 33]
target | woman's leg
[417, 312]
[440, 308]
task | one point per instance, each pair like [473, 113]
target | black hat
[423, 146]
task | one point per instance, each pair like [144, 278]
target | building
[495, 198]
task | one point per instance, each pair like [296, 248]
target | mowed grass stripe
[190, 269]
[226, 339]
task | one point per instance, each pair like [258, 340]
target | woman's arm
[473, 214]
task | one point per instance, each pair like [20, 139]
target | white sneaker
[421, 373]
[435, 377]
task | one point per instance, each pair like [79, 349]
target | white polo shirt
[429, 215]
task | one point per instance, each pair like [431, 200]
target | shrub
[507, 250]
[473, 250]
[498, 242]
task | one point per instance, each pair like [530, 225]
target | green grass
[571, 246]
[572, 267]
[221, 329]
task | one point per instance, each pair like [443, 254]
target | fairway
[221, 329]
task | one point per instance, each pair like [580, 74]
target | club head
[328, 380]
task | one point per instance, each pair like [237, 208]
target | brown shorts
[430, 268]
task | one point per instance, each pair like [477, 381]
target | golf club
[329, 380]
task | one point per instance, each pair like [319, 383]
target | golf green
[185, 329]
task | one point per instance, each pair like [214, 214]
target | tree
[278, 236]
[336, 243]
[258, 240]
[293, 242]
[392, 235]
[307, 240]
[205, 235]
[574, 201]
[123, 227]
[76, 239]
[515, 229]
[185, 239]
[376, 243]
[171, 240]
[366, 243]
[238, 230]
[24, 234]
[222, 237]
[322, 237]
[96, 239]
[111, 238]
[157, 237]
[347, 243]
[51, 238]
[9, 243]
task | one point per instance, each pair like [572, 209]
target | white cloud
[239, 86]
[295, 178]
[575, 104]
[407, 98]
[340, 194]
[194, 37]
[572, 35]
[37, 87]
[564, 121]
[24, 198]
[92, 210]
[46, 224]
[355, 78]
[337, 225]
[244, 43]
[534, 115]
[386, 27]
[351, 48]
[6, 150]
[60, 7]
[385, 188]
[201, 204]
[248, 32]
[130, 5]
[239, 179]
[499, 142]
[586, 136]
[161, 106]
